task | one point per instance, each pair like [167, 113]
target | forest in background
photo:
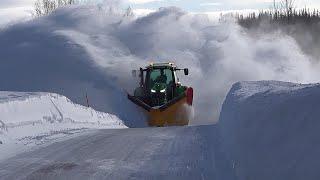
[303, 24]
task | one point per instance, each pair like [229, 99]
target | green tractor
[161, 94]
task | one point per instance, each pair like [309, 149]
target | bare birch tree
[45, 7]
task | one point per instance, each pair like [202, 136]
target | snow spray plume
[218, 55]
[90, 49]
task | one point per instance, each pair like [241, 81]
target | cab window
[154, 75]
[168, 74]
[161, 76]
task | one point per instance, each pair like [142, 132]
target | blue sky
[202, 5]
[189, 5]
[214, 5]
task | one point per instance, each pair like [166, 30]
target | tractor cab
[159, 84]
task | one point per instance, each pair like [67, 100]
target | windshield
[164, 76]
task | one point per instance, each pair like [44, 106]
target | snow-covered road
[149, 153]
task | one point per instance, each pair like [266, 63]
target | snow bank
[271, 129]
[90, 49]
[36, 118]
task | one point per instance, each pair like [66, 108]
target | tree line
[283, 12]
[305, 16]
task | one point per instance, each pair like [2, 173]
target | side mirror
[134, 73]
[186, 71]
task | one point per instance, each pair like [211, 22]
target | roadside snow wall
[28, 114]
[271, 130]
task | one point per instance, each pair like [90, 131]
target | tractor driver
[162, 78]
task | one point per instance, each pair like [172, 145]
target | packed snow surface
[185, 153]
[28, 119]
[271, 130]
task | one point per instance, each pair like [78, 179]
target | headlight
[163, 90]
[153, 91]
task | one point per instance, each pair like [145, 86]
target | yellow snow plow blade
[174, 113]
